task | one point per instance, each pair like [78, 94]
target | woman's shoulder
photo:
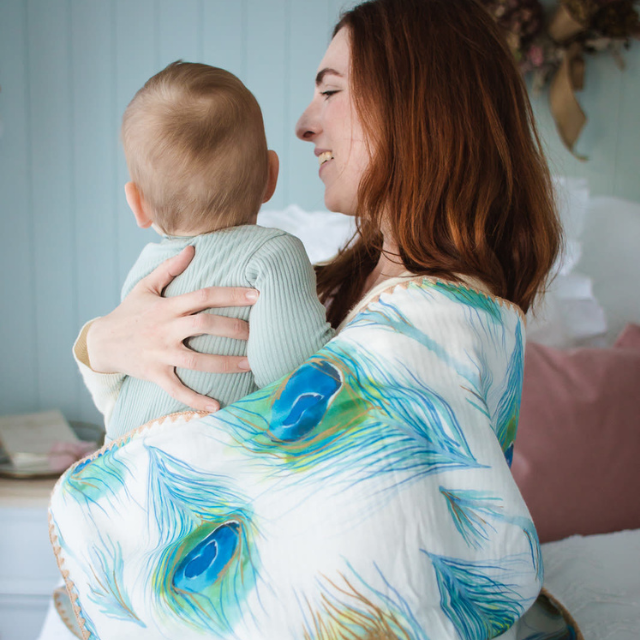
[441, 328]
[437, 296]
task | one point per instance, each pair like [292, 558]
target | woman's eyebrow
[323, 72]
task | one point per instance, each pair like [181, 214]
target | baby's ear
[272, 180]
[137, 205]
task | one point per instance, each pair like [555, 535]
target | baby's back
[231, 257]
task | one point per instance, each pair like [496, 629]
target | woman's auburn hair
[456, 162]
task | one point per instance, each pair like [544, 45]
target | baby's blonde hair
[196, 148]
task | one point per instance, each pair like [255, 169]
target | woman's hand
[143, 337]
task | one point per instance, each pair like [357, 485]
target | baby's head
[197, 152]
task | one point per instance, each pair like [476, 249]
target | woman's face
[331, 123]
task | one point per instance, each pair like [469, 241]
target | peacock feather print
[479, 376]
[472, 511]
[349, 608]
[387, 316]
[97, 476]
[508, 411]
[108, 591]
[482, 305]
[481, 598]
[207, 559]
[504, 411]
[348, 430]
[301, 421]
[363, 496]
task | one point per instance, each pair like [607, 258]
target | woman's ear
[137, 205]
[272, 180]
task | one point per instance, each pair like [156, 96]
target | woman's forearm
[103, 387]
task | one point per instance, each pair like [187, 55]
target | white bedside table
[28, 570]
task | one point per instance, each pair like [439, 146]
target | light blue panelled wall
[67, 70]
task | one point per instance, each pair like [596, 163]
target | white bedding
[596, 577]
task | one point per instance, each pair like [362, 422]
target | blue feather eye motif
[207, 560]
[298, 409]
[201, 567]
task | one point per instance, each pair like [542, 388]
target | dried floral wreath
[550, 47]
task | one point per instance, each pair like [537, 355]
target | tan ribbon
[564, 26]
[567, 112]
[569, 117]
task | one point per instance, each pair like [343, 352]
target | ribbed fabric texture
[287, 323]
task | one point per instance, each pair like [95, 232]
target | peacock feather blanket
[365, 495]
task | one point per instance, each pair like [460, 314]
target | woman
[367, 493]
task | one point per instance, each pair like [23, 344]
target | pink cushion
[577, 453]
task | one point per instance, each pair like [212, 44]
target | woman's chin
[338, 206]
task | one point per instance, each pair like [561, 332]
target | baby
[197, 154]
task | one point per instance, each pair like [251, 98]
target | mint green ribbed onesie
[286, 325]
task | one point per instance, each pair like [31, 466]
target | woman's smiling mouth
[324, 157]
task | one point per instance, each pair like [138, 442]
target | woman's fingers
[160, 277]
[143, 336]
[213, 297]
[211, 324]
[188, 359]
[174, 387]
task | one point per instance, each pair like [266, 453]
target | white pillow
[323, 233]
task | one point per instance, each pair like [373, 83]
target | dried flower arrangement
[551, 47]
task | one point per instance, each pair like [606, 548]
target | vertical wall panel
[600, 99]
[137, 59]
[178, 25]
[95, 140]
[18, 358]
[268, 76]
[627, 160]
[53, 203]
[560, 160]
[336, 6]
[305, 52]
[225, 35]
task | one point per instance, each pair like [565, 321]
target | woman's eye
[328, 94]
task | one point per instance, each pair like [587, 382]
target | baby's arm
[288, 323]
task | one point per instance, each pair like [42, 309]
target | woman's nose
[307, 127]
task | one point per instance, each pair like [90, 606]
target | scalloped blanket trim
[564, 612]
[53, 537]
[403, 281]
[58, 594]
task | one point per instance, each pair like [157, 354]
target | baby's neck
[190, 233]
